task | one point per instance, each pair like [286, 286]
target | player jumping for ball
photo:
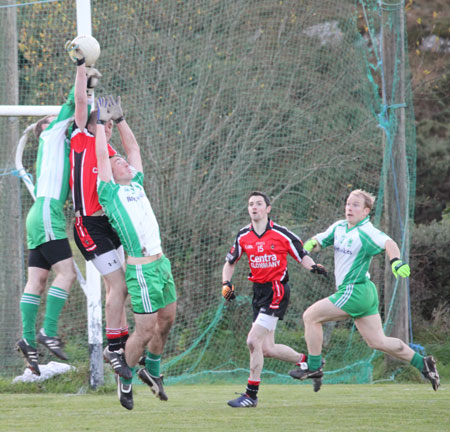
[148, 275]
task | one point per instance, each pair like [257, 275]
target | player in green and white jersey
[148, 275]
[47, 239]
[356, 241]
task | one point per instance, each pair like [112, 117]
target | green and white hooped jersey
[53, 164]
[130, 213]
[353, 249]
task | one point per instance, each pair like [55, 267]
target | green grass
[378, 407]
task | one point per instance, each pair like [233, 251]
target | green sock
[417, 361]
[127, 381]
[56, 299]
[153, 363]
[314, 362]
[29, 305]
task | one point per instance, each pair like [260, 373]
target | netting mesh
[224, 97]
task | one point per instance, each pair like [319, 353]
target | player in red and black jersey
[94, 236]
[267, 245]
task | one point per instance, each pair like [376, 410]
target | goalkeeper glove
[93, 76]
[310, 245]
[399, 268]
[319, 269]
[115, 108]
[228, 291]
[103, 114]
[75, 53]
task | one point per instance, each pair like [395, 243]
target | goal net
[224, 97]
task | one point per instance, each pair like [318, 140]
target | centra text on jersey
[264, 261]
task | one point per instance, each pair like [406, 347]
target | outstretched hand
[75, 53]
[103, 113]
[319, 269]
[115, 108]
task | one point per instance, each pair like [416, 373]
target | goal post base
[96, 378]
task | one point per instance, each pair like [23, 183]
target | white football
[89, 46]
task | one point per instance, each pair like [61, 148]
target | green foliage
[428, 19]
[430, 266]
[433, 166]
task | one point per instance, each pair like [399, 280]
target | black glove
[319, 269]
[93, 77]
[228, 291]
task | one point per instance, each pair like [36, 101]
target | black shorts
[47, 254]
[271, 298]
[94, 236]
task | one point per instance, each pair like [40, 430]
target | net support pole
[11, 286]
[397, 181]
[94, 299]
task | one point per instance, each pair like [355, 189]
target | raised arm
[127, 137]
[101, 146]
[85, 81]
[81, 99]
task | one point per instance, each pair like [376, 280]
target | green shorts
[45, 222]
[151, 286]
[358, 300]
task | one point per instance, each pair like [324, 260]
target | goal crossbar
[29, 110]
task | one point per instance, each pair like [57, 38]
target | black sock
[252, 389]
[124, 339]
[114, 344]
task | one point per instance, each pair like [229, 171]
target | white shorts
[109, 261]
[269, 322]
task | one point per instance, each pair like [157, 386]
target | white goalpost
[91, 285]
[28, 110]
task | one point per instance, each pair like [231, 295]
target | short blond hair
[369, 199]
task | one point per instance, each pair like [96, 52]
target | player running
[267, 245]
[355, 242]
[148, 274]
[47, 241]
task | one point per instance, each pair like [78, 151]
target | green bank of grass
[380, 407]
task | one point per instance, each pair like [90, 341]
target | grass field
[378, 407]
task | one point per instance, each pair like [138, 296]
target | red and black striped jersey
[83, 172]
[267, 254]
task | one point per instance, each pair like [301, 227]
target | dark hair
[39, 126]
[258, 193]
